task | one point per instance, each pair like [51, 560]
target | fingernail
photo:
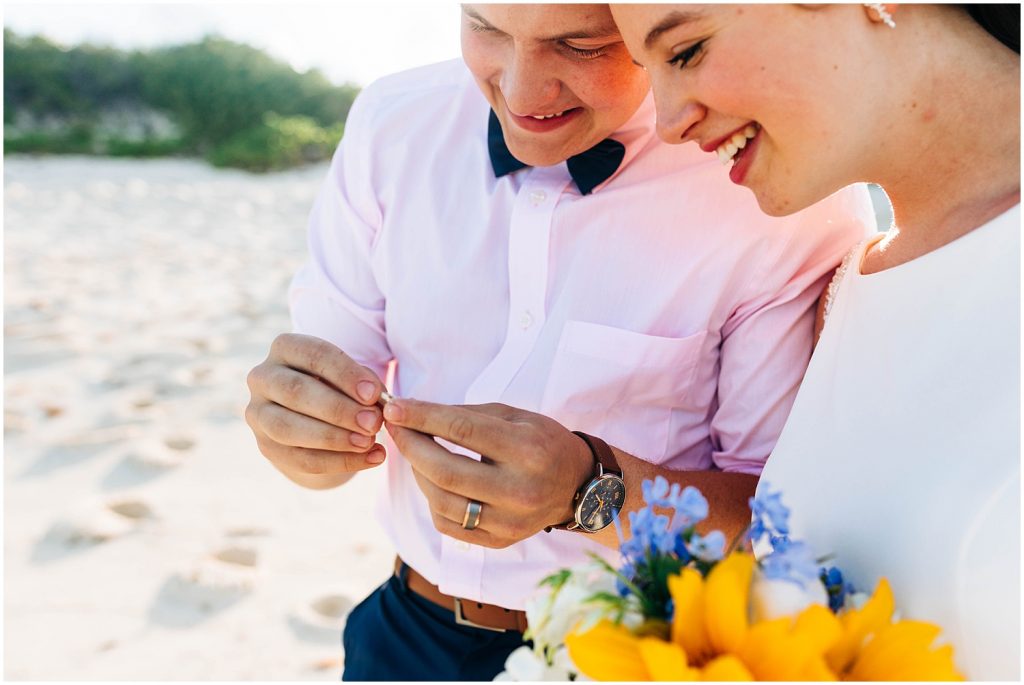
[360, 440]
[393, 411]
[375, 457]
[367, 420]
[365, 390]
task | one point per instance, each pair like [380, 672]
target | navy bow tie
[588, 169]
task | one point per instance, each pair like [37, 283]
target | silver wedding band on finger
[472, 518]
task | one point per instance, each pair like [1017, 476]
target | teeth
[548, 116]
[728, 149]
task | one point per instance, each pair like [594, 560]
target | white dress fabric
[902, 452]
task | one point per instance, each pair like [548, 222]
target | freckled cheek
[608, 89]
[481, 61]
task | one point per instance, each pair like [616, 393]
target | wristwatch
[599, 501]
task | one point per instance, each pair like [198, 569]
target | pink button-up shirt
[664, 312]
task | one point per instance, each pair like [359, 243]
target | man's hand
[531, 467]
[313, 411]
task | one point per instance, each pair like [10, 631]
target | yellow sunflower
[712, 639]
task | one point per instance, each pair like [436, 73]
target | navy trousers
[394, 634]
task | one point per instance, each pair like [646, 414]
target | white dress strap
[833, 286]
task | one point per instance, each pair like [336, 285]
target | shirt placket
[462, 564]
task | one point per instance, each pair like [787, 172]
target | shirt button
[461, 546]
[526, 320]
[538, 196]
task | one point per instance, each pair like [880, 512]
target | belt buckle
[461, 619]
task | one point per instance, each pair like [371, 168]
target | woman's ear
[879, 13]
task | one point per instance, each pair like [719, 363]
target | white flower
[551, 614]
[523, 665]
[562, 664]
[775, 598]
[527, 665]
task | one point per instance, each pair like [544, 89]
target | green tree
[234, 104]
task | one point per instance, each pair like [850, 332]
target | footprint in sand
[15, 422]
[162, 453]
[149, 458]
[327, 663]
[138, 404]
[93, 524]
[207, 587]
[196, 375]
[51, 410]
[143, 402]
[321, 619]
[228, 571]
[247, 532]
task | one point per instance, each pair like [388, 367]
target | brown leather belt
[467, 612]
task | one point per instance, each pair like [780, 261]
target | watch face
[602, 501]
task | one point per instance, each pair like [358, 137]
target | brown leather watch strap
[467, 611]
[603, 455]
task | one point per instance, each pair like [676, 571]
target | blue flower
[770, 515]
[691, 507]
[838, 588]
[831, 576]
[789, 560]
[649, 531]
[710, 547]
[680, 549]
[656, 492]
[627, 570]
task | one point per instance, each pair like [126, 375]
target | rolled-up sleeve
[336, 295]
[768, 340]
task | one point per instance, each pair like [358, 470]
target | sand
[145, 535]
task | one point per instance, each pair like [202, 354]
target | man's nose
[529, 83]
[677, 119]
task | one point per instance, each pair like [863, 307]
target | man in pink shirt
[508, 231]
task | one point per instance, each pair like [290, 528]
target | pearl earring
[883, 13]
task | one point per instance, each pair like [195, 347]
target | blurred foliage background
[227, 102]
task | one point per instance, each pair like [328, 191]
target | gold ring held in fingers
[472, 518]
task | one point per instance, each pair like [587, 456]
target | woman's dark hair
[1001, 21]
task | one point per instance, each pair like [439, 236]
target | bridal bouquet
[682, 607]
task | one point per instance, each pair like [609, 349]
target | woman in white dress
[902, 452]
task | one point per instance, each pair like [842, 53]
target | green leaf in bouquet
[611, 603]
[628, 582]
[653, 578]
[557, 580]
[612, 600]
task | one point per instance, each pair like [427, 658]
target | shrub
[276, 143]
[216, 92]
[150, 147]
[78, 139]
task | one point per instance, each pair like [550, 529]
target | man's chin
[539, 158]
[549, 153]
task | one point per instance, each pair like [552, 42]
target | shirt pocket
[621, 385]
